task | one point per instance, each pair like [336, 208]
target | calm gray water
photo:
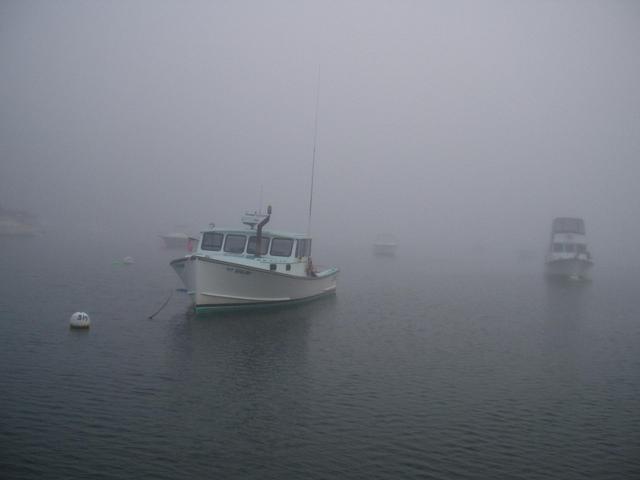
[414, 370]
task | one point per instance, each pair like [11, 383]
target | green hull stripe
[211, 309]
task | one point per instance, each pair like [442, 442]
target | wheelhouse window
[281, 247]
[582, 248]
[569, 247]
[264, 245]
[557, 247]
[212, 241]
[303, 248]
[235, 243]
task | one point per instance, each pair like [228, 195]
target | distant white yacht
[235, 268]
[568, 256]
[178, 240]
[385, 245]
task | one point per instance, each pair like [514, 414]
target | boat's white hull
[569, 268]
[218, 285]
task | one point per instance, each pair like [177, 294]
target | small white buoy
[79, 320]
[128, 260]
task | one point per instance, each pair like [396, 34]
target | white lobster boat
[568, 256]
[239, 268]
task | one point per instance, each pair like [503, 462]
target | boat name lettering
[238, 270]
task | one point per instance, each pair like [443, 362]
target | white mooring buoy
[79, 320]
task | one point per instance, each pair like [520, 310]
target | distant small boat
[240, 268]
[568, 256]
[178, 240]
[17, 223]
[385, 245]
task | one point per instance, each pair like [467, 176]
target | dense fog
[463, 127]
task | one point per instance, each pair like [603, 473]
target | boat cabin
[568, 238]
[289, 253]
[242, 243]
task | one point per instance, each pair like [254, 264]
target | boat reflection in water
[249, 267]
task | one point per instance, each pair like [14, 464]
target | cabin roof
[268, 233]
[568, 225]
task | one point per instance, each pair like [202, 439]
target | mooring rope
[163, 305]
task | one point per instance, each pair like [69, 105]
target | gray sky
[459, 123]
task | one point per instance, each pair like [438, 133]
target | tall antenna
[313, 158]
